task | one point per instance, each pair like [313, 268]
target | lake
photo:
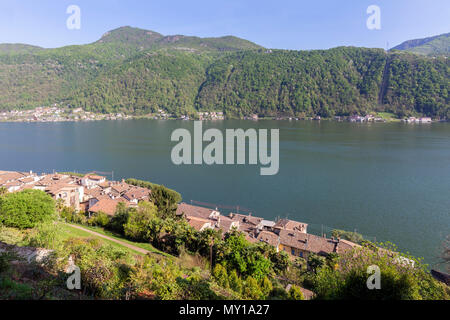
[388, 181]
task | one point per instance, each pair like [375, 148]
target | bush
[278, 293]
[295, 293]
[11, 235]
[235, 282]
[119, 219]
[252, 290]
[12, 290]
[103, 273]
[399, 280]
[221, 275]
[45, 235]
[99, 220]
[26, 209]
[348, 235]
[141, 222]
[5, 260]
[266, 287]
[237, 253]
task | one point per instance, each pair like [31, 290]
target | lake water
[388, 181]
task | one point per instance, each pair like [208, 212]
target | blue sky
[284, 24]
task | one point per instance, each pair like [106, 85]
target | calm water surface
[387, 181]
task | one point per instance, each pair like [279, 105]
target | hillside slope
[139, 72]
[437, 45]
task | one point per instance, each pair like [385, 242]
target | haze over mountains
[140, 71]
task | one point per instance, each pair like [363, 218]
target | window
[293, 251]
[301, 254]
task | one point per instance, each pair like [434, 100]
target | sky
[280, 24]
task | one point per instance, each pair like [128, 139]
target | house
[247, 223]
[200, 224]
[266, 225]
[71, 194]
[9, 176]
[298, 244]
[226, 224]
[137, 194]
[425, 120]
[187, 211]
[91, 180]
[119, 189]
[107, 206]
[286, 224]
[12, 186]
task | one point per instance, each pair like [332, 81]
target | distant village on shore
[59, 114]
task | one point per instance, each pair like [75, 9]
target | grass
[68, 232]
[388, 116]
[142, 245]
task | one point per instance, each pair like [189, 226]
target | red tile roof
[107, 206]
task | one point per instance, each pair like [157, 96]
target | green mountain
[139, 71]
[145, 39]
[432, 46]
[17, 48]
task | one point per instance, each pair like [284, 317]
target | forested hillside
[437, 45]
[139, 71]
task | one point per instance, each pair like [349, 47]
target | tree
[26, 209]
[119, 219]
[315, 261]
[141, 225]
[235, 252]
[166, 200]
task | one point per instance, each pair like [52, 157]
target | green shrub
[119, 219]
[235, 282]
[221, 276]
[252, 290]
[5, 259]
[11, 290]
[45, 235]
[399, 280]
[11, 235]
[266, 287]
[99, 220]
[141, 222]
[26, 209]
[295, 293]
[278, 293]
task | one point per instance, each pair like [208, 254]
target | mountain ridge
[139, 71]
[435, 45]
